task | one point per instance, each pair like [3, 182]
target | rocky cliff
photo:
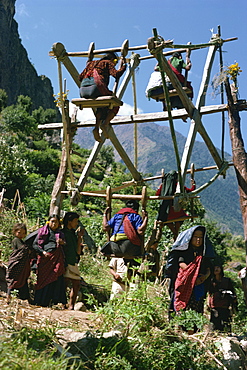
[17, 75]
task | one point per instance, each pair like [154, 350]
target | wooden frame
[194, 112]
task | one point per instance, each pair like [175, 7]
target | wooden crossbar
[171, 93]
[101, 101]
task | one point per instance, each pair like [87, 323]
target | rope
[159, 56]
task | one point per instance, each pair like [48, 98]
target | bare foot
[96, 135]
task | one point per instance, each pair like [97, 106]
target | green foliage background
[29, 162]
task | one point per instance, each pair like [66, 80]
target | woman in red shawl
[50, 286]
[94, 83]
[189, 267]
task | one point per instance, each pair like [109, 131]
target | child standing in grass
[118, 269]
[19, 264]
[222, 300]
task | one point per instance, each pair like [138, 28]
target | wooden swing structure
[155, 45]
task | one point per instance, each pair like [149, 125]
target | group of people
[190, 265]
[57, 252]
[193, 274]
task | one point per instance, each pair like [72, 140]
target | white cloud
[82, 114]
[137, 28]
[21, 10]
[127, 109]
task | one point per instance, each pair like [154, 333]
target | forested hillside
[155, 152]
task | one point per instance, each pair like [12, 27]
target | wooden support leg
[136, 175]
[108, 204]
[87, 169]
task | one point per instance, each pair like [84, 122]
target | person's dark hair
[19, 226]
[69, 216]
[132, 203]
[177, 54]
[201, 228]
[110, 55]
[221, 269]
[54, 216]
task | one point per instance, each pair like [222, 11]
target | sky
[107, 23]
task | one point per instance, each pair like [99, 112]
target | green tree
[22, 152]
[3, 99]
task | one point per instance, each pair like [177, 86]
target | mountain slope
[17, 74]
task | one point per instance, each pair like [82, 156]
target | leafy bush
[38, 207]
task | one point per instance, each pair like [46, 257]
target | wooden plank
[205, 77]
[101, 101]
[171, 93]
[143, 118]
[179, 219]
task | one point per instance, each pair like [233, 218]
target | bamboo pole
[220, 172]
[222, 100]
[135, 124]
[128, 196]
[140, 47]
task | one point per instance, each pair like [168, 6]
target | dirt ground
[20, 313]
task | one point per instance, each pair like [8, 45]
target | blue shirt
[114, 222]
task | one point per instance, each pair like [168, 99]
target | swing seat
[173, 92]
[102, 101]
[179, 219]
[125, 249]
[126, 256]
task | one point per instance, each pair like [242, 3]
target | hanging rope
[159, 56]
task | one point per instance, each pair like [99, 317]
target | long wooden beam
[134, 63]
[140, 47]
[61, 54]
[87, 169]
[144, 117]
[183, 50]
[112, 136]
[196, 123]
[130, 196]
